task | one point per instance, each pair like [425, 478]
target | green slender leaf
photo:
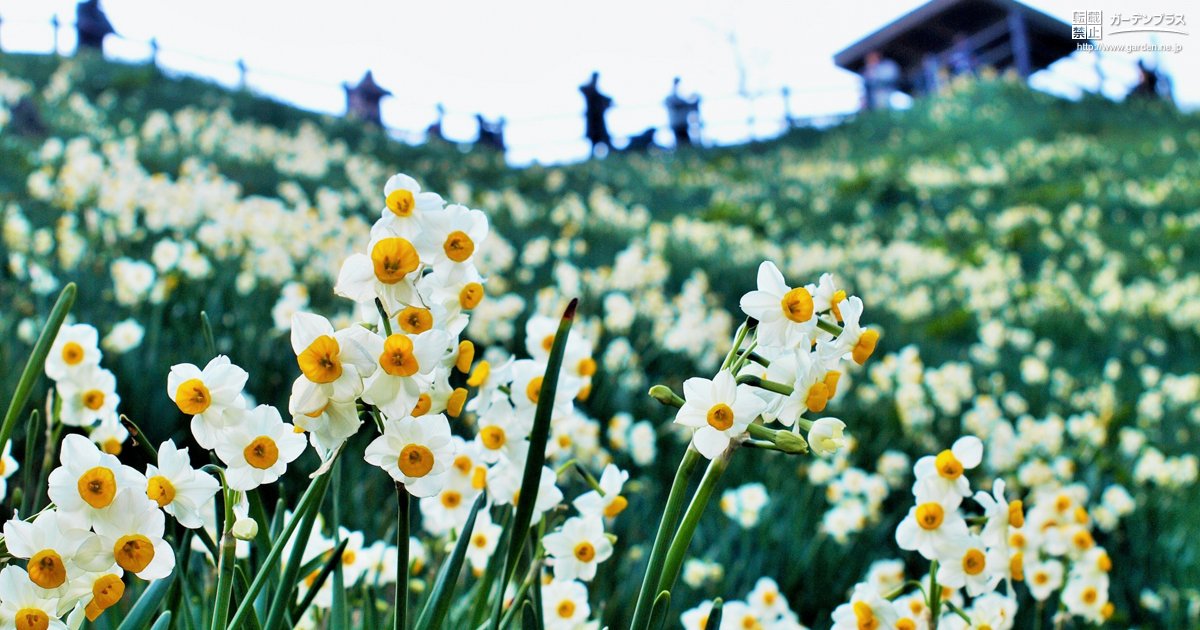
[209, 342]
[438, 604]
[529, 620]
[164, 622]
[334, 560]
[662, 540]
[337, 613]
[536, 459]
[37, 361]
[714, 615]
[139, 616]
[309, 504]
[658, 613]
[483, 593]
[241, 584]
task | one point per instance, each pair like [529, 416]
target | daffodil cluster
[106, 520]
[765, 608]
[86, 392]
[802, 338]
[1048, 547]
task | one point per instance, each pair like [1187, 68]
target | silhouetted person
[881, 77]
[91, 26]
[1147, 85]
[491, 135]
[434, 130]
[596, 103]
[680, 111]
[642, 142]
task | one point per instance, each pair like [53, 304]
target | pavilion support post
[1019, 36]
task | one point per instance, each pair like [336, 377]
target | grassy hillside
[1034, 265]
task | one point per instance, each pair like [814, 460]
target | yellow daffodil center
[797, 305]
[416, 460]
[394, 258]
[97, 487]
[32, 619]
[616, 506]
[451, 499]
[192, 397]
[947, 465]
[547, 342]
[493, 437]
[1083, 539]
[749, 622]
[534, 389]
[1016, 540]
[973, 562]
[401, 202]
[832, 378]
[479, 540]
[586, 367]
[480, 374]
[865, 616]
[1104, 563]
[348, 557]
[1081, 515]
[1016, 566]
[1041, 578]
[112, 446]
[424, 404]
[585, 552]
[930, 515]
[1089, 595]
[321, 361]
[133, 552]
[470, 296]
[906, 623]
[415, 320]
[466, 356]
[398, 358]
[72, 353]
[46, 569]
[720, 417]
[261, 453]
[107, 591]
[865, 346]
[839, 296]
[463, 464]
[1107, 610]
[458, 246]
[454, 404]
[93, 399]
[565, 609]
[1062, 503]
[1016, 514]
[818, 397]
[160, 490]
[479, 478]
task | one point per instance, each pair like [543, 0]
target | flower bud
[664, 395]
[790, 442]
[826, 437]
[245, 528]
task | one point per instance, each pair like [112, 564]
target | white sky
[524, 60]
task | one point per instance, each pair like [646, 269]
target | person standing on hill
[596, 104]
[679, 114]
[881, 78]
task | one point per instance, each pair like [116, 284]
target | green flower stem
[225, 566]
[37, 362]
[534, 570]
[829, 327]
[759, 359]
[743, 357]
[780, 439]
[935, 596]
[403, 500]
[737, 344]
[383, 317]
[958, 611]
[761, 383]
[691, 519]
[662, 540]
